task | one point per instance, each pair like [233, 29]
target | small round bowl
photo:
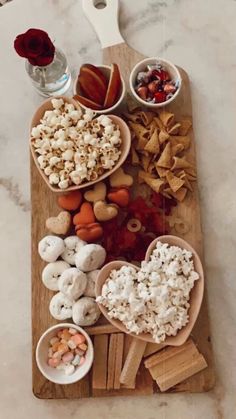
[196, 294]
[105, 69]
[124, 148]
[141, 66]
[53, 374]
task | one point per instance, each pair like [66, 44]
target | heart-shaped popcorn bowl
[196, 294]
[124, 147]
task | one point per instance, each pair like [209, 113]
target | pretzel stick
[101, 329]
[119, 359]
[111, 361]
[99, 377]
[152, 348]
[132, 361]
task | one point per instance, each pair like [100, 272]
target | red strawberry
[169, 88]
[160, 97]
[164, 75]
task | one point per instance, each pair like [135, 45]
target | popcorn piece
[57, 103]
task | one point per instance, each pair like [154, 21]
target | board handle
[103, 15]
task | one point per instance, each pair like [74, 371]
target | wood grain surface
[44, 204]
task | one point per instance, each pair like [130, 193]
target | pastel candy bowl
[53, 374]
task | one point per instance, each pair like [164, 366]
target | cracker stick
[127, 343]
[132, 361]
[99, 376]
[152, 348]
[119, 359]
[111, 361]
[101, 329]
[175, 364]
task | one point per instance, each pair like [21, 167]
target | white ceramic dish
[141, 66]
[105, 69]
[53, 374]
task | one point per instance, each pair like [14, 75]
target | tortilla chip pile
[159, 145]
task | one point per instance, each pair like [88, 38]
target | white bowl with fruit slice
[100, 88]
[155, 82]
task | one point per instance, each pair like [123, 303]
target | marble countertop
[200, 37]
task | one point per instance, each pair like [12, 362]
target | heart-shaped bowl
[195, 296]
[124, 148]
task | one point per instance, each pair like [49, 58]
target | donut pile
[72, 269]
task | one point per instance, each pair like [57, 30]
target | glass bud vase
[53, 79]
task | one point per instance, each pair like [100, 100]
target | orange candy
[119, 197]
[85, 215]
[63, 348]
[78, 339]
[89, 232]
[70, 201]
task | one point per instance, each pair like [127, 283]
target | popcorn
[57, 103]
[54, 179]
[74, 146]
[154, 299]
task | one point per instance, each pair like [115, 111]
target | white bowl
[105, 69]
[53, 374]
[141, 66]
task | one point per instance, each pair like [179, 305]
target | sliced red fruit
[91, 88]
[164, 75]
[87, 102]
[113, 87]
[96, 73]
[160, 97]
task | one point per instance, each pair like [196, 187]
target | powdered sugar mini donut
[60, 307]
[72, 246]
[52, 272]
[85, 311]
[91, 281]
[50, 248]
[90, 257]
[72, 283]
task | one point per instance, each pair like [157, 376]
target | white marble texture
[199, 36]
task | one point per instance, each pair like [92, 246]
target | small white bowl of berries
[155, 82]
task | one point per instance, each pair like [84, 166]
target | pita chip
[174, 129]
[145, 160]
[185, 126]
[155, 184]
[181, 139]
[180, 163]
[174, 182]
[165, 159]
[152, 145]
[176, 149]
[146, 117]
[160, 171]
[158, 123]
[180, 194]
[163, 136]
[167, 118]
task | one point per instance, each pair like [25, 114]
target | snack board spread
[106, 201]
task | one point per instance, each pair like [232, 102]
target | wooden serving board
[44, 205]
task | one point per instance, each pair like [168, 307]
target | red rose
[36, 46]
